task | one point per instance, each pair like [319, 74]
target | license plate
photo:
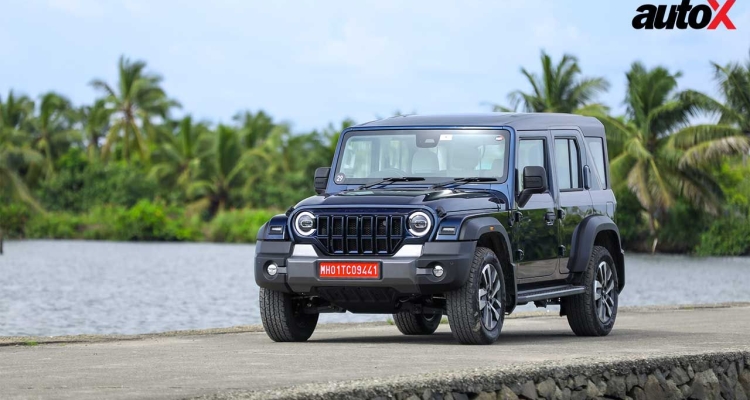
[349, 270]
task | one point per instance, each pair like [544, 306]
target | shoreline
[6, 341]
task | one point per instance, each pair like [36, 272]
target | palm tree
[658, 156]
[254, 127]
[559, 89]
[95, 121]
[14, 154]
[137, 99]
[222, 171]
[15, 111]
[734, 85]
[178, 159]
[51, 129]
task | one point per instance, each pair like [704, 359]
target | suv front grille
[360, 234]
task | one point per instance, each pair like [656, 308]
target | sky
[311, 63]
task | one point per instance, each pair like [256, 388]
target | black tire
[283, 319]
[417, 324]
[464, 313]
[583, 309]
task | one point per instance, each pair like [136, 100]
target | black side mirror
[534, 182]
[321, 179]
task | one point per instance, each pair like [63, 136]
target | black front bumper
[408, 272]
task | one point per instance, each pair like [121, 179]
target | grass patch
[30, 343]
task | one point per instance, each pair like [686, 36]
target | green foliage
[237, 226]
[71, 171]
[13, 218]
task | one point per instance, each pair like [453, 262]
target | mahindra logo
[684, 15]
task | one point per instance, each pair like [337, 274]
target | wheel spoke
[597, 290]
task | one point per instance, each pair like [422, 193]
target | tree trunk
[652, 231]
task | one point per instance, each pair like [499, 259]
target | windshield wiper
[459, 181]
[391, 180]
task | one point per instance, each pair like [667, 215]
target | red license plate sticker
[349, 270]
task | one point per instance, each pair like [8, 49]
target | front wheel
[417, 324]
[476, 310]
[283, 318]
[593, 312]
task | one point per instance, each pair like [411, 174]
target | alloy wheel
[604, 291]
[490, 301]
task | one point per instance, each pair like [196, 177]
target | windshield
[435, 155]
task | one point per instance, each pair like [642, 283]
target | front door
[535, 232]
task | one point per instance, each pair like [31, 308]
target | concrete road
[184, 366]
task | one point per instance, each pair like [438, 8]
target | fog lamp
[272, 269]
[438, 271]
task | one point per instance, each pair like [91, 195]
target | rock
[570, 384]
[486, 396]
[679, 376]
[744, 380]
[686, 391]
[592, 390]
[528, 390]
[580, 381]
[642, 378]
[638, 394]
[546, 389]
[459, 396]
[660, 377]
[672, 391]
[616, 387]
[606, 375]
[602, 387]
[566, 394]
[428, 394]
[653, 388]
[691, 373]
[558, 394]
[578, 395]
[515, 387]
[732, 374]
[706, 386]
[739, 392]
[506, 393]
[726, 386]
[631, 381]
[413, 397]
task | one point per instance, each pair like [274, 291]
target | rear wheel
[476, 311]
[593, 312]
[283, 319]
[417, 324]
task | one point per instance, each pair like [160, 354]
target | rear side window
[596, 147]
[567, 163]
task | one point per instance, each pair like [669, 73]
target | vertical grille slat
[363, 234]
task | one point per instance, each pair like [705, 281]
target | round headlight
[304, 224]
[419, 224]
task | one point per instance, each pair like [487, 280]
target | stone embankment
[712, 376]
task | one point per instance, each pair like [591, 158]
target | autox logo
[684, 16]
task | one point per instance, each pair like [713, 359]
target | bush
[154, 221]
[727, 236]
[80, 185]
[13, 218]
[237, 226]
[54, 226]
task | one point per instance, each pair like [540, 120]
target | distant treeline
[123, 169]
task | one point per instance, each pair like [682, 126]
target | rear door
[535, 231]
[574, 201]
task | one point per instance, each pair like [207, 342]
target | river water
[75, 287]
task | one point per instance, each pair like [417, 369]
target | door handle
[549, 217]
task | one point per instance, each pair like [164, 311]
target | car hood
[448, 200]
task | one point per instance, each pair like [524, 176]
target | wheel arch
[597, 230]
[490, 233]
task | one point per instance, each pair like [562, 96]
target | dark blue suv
[464, 215]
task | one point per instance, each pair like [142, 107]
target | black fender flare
[583, 244]
[474, 228]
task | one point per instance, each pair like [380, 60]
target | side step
[526, 296]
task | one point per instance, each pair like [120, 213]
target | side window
[596, 147]
[567, 163]
[530, 154]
